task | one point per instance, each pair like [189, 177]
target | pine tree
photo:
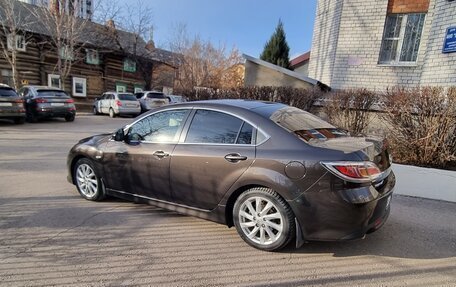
[276, 49]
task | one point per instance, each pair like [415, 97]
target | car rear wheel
[112, 114]
[263, 219]
[87, 181]
[31, 117]
[69, 118]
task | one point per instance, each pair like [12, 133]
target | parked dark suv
[11, 105]
[47, 102]
[275, 172]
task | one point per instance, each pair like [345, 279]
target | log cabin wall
[38, 61]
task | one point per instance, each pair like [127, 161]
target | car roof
[262, 108]
[158, 92]
[5, 86]
[43, 88]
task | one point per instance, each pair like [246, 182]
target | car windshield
[127, 97]
[305, 125]
[155, 96]
[7, 93]
[51, 93]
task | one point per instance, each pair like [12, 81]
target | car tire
[112, 114]
[268, 226]
[69, 118]
[95, 111]
[31, 117]
[19, 121]
[87, 180]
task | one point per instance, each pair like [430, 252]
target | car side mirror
[119, 135]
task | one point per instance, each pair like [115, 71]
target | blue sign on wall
[449, 45]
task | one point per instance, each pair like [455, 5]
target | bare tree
[13, 25]
[64, 32]
[137, 21]
[201, 64]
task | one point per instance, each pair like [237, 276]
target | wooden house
[105, 58]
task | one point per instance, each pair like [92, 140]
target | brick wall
[408, 6]
[324, 41]
[439, 68]
[351, 59]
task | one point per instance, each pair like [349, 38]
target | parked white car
[151, 99]
[115, 104]
[174, 99]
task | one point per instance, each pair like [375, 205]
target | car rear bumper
[54, 113]
[12, 115]
[12, 112]
[129, 111]
[324, 215]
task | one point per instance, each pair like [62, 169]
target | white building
[377, 44]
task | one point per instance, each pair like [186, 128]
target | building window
[7, 78]
[54, 81]
[17, 44]
[66, 53]
[92, 57]
[138, 88]
[121, 87]
[401, 38]
[129, 65]
[79, 87]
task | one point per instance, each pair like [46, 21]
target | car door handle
[235, 157]
[160, 154]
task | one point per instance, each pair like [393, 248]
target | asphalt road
[51, 236]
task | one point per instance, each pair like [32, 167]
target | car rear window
[5, 92]
[305, 125]
[51, 93]
[155, 96]
[127, 97]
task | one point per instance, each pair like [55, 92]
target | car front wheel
[263, 219]
[87, 181]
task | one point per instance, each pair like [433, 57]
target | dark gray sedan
[275, 172]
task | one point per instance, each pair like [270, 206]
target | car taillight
[41, 100]
[118, 103]
[354, 171]
[70, 101]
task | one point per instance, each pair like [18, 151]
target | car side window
[213, 127]
[159, 127]
[245, 135]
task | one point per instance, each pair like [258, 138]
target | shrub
[300, 98]
[422, 125]
[350, 109]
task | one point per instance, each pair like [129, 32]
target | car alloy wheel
[87, 181]
[263, 219]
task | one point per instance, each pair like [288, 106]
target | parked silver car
[151, 99]
[115, 104]
[174, 99]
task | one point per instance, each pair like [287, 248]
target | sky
[246, 24]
